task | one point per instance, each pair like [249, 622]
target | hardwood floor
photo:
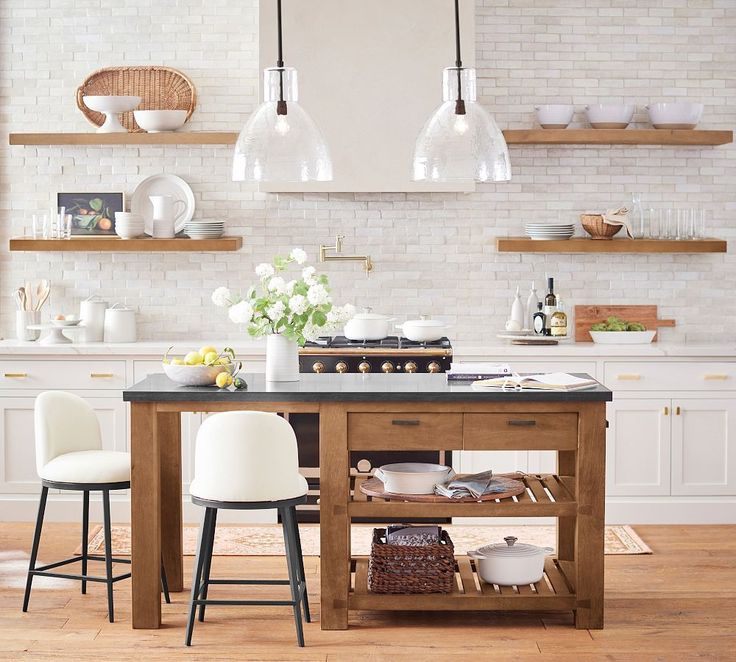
[678, 604]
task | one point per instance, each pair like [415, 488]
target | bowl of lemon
[206, 366]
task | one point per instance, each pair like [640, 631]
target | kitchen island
[389, 412]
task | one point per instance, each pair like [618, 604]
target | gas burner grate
[390, 342]
[442, 343]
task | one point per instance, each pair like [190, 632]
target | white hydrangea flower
[318, 295]
[241, 313]
[276, 311]
[222, 297]
[311, 332]
[308, 275]
[265, 270]
[340, 314]
[289, 289]
[277, 285]
[298, 304]
[298, 255]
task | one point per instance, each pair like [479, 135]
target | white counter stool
[69, 456]
[247, 461]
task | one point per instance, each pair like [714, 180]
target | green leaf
[319, 318]
[96, 204]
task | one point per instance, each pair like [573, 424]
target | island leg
[333, 513]
[145, 483]
[172, 542]
[590, 531]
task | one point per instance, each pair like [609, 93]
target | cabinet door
[638, 447]
[704, 447]
[17, 445]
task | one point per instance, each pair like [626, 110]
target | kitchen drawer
[671, 376]
[405, 431]
[67, 375]
[520, 431]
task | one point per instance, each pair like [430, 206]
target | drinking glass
[681, 226]
[66, 227]
[653, 223]
[40, 225]
[700, 224]
[665, 224]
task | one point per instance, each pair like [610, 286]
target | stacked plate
[204, 229]
[548, 231]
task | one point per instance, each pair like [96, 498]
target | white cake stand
[112, 106]
[56, 336]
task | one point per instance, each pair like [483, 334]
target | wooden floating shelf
[513, 137]
[582, 245]
[117, 245]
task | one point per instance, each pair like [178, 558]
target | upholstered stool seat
[91, 467]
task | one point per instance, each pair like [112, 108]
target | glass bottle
[637, 217]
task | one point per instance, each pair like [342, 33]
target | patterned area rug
[266, 539]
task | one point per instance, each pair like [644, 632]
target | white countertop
[249, 349]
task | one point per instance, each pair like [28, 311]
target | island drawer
[515, 431]
[671, 376]
[405, 431]
[68, 375]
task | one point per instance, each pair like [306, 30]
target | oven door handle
[405, 421]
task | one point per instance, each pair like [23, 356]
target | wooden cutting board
[586, 316]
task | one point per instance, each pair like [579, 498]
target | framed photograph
[92, 213]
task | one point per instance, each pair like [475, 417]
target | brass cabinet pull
[101, 375]
[521, 423]
[677, 410]
[666, 411]
[16, 375]
[405, 421]
[629, 377]
[715, 377]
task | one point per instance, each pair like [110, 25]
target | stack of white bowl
[129, 226]
[548, 231]
[204, 229]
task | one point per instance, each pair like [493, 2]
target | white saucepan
[423, 330]
[508, 564]
[413, 477]
[368, 326]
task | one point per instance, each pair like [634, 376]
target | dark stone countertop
[351, 388]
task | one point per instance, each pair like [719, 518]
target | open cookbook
[553, 381]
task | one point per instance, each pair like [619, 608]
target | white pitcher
[164, 215]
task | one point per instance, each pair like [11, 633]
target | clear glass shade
[454, 147]
[275, 147]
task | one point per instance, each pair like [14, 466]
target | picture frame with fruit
[92, 213]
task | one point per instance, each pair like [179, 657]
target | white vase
[282, 359]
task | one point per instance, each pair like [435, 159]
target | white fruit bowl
[111, 106]
[610, 115]
[156, 121]
[622, 337]
[679, 115]
[554, 115]
[196, 375]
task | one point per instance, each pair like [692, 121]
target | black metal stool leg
[85, 536]
[210, 542]
[300, 559]
[293, 574]
[198, 564]
[108, 552]
[34, 547]
[165, 584]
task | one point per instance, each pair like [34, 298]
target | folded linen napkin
[619, 216]
[475, 485]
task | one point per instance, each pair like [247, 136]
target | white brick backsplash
[432, 252]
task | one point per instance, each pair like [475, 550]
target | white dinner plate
[162, 185]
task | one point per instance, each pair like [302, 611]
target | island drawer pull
[16, 375]
[521, 423]
[629, 377]
[405, 421]
[101, 375]
[715, 377]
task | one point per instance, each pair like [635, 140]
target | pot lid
[509, 548]
[426, 322]
[367, 314]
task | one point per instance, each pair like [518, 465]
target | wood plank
[556, 488]
[361, 576]
[276, 407]
[334, 462]
[140, 138]
[509, 432]
[587, 316]
[584, 245]
[556, 578]
[145, 507]
[566, 468]
[172, 540]
[358, 495]
[467, 577]
[117, 245]
[538, 490]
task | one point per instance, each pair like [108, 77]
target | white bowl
[155, 121]
[195, 375]
[554, 115]
[622, 337]
[610, 115]
[677, 115]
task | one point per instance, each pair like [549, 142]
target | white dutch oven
[413, 477]
[424, 329]
[368, 326]
[508, 564]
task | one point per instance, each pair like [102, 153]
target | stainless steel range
[392, 355]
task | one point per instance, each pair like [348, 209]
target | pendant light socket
[459, 107]
[281, 107]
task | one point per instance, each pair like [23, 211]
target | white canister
[92, 314]
[120, 324]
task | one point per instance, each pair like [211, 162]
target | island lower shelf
[555, 592]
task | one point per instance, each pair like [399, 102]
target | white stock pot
[413, 477]
[509, 564]
[368, 326]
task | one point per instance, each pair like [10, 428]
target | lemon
[223, 380]
[210, 358]
[177, 361]
[207, 349]
[193, 358]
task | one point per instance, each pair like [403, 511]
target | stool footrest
[86, 578]
[246, 603]
[255, 582]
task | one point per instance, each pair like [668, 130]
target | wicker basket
[407, 569]
[161, 88]
[595, 226]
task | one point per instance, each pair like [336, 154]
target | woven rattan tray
[161, 88]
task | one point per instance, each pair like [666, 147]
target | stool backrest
[247, 456]
[64, 423]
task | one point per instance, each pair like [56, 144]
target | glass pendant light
[280, 141]
[460, 141]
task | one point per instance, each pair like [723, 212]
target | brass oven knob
[387, 366]
[341, 367]
[410, 367]
[318, 367]
[364, 367]
[433, 367]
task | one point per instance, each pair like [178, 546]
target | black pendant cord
[459, 103]
[281, 104]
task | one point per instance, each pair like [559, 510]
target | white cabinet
[638, 447]
[703, 446]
